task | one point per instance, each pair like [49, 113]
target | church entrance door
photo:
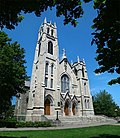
[73, 108]
[47, 107]
[66, 108]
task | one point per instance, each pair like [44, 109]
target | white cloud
[97, 74]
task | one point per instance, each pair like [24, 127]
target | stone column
[30, 107]
[38, 108]
[57, 104]
[62, 110]
[70, 109]
[79, 108]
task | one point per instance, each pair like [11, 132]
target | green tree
[106, 25]
[104, 104]
[12, 71]
[107, 37]
[10, 10]
[6, 109]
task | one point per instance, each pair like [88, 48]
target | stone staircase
[80, 120]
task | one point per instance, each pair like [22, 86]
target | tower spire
[55, 25]
[45, 21]
[64, 54]
[83, 60]
[78, 58]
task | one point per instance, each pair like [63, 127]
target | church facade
[56, 85]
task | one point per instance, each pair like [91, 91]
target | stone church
[57, 86]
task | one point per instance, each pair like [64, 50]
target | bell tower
[44, 72]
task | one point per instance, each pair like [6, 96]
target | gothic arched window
[88, 106]
[85, 90]
[46, 82]
[52, 32]
[51, 83]
[50, 47]
[46, 68]
[27, 100]
[39, 49]
[52, 67]
[83, 73]
[85, 103]
[64, 83]
[48, 30]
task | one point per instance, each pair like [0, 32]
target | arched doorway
[47, 107]
[66, 108]
[74, 109]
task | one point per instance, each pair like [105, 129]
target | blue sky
[75, 40]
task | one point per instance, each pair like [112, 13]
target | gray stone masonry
[57, 86]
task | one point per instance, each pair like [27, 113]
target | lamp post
[116, 110]
[57, 116]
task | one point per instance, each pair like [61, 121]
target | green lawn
[88, 132]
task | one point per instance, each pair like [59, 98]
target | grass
[88, 132]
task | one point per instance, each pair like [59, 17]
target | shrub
[12, 123]
[20, 124]
[9, 123]
[33, 124]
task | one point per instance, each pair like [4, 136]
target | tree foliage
[10, 14]
[106, 25]
[104, 104]
[6, 109]
[107, 37]
[12, 70]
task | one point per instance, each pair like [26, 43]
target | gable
[66, 68]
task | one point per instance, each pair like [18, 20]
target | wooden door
[66, 108]
[73, 109]
[47, 107]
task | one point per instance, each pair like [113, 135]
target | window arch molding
[50, 47]
[50, 98]
[65, 83]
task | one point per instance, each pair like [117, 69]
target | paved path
[52, 128]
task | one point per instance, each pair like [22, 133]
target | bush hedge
[34, 124]
[9, 123]
[12, 123]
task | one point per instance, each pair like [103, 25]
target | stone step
[80, 120]
[50, 117]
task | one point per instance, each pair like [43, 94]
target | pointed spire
[45, 21]
[50, 22]
[64, 54]
[78, 58]
[55, 25]
[83, 60]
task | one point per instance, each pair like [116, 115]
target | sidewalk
[53, 128]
